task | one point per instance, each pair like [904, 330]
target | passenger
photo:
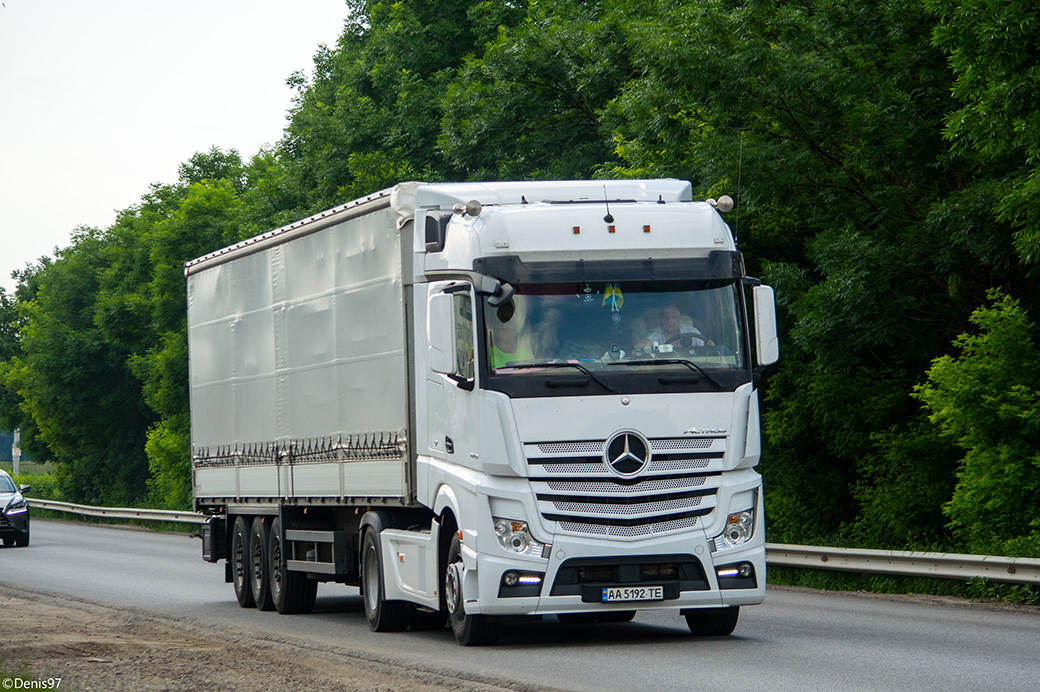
[505, 343]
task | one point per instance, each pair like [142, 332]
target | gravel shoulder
[92, 647]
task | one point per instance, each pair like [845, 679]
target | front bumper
[14, 525]
[579, 570]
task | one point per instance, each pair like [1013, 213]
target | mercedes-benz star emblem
[627, 453]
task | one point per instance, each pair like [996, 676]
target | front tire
[260, 564]
[239, 558]
[469, 630]
[291, 592]
[382, 615]
[712, 622]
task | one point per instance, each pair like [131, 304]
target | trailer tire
[382, 615]
[712, 622]
[291, 592]
[469, 630]
[239, 558]
[260, 564]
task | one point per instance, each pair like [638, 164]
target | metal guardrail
[1014, 570]
[119, 512]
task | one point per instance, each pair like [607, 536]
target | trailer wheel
[712, 622]
[383, 615]
[239, 558]
[259, 564]
[291, 592]
[469, 630]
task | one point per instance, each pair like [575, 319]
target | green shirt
[500, 358]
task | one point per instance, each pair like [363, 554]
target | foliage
[42, 486]
[84, 402]
[994, 49]
[987, 400]
[530, 105]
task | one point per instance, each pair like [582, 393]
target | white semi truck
[479, 401]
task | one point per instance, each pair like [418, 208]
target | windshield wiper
[671, 361]
[578, 366]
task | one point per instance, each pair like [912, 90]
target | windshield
[7, 485]
[693, 326]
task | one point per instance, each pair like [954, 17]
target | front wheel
[469, 630]
[712, 622]
[383, 615]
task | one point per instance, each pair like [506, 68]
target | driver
[670, 329]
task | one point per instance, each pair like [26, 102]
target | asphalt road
[798, 640]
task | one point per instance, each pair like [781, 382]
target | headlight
[740, 527]
[516, 537]
[18, 506]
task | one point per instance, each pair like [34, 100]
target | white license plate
[633, 593]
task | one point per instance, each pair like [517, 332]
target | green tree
[986, 399]
[994, 49]
[84, 401]
[530, 105]
[370, 115]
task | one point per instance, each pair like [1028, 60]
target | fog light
[516, 584]
[739, 575]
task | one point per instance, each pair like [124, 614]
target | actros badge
[627, 453]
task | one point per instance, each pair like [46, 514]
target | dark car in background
[14, 512]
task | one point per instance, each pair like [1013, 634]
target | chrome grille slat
[609, 487]
[631, 531]
[643, 508]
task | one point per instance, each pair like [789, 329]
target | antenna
[609, 218]
[740, 165]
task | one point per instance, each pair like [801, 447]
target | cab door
[453, 411]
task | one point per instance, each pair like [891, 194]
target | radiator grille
[677, 489]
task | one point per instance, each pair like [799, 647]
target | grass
[27, 467]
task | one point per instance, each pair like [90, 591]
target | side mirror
[436, 230]
[767, 345]
[24, 489]
[439, 335]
